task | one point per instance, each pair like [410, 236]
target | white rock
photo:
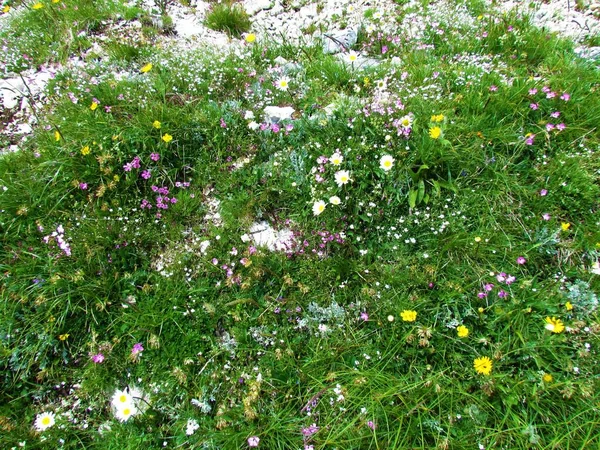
[339, 41]
[275, 114]
[254, 6]
[263, 235]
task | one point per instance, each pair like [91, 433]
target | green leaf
[421, 192]
[412, 198]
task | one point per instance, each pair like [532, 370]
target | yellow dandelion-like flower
[156, 124]
[146, 68]
[569, 306]
[483, 365]
[462, 331]
[250, 38]
[6, 9]
[94, 106]
[437, 118]
[547, 378]
[56, 136]
[167, 138]
[565, 226]
[38, 5]
[435, 132]
[408, 315]
[64, 337]
[555, 325]
[85, 150]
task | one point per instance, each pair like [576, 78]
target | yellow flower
[437, 118]
[55, 1]
[116, 178]
[146, 68]
[435, 132]
[555, 325]
[408, 315]
[250, 38]
[64, 337]
[483, 365]
[57, 136]
[565, 226]
[481, 310]
[477, 239]
[6, 9]
[167, 138]
[156, 124]
[547, 378]
[569, 306]
[85, 150]
[38, 5]
[93, 106]
[462, 331]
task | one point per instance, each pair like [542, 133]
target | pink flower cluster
[58, 236]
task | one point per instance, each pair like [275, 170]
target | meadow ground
[395, 246]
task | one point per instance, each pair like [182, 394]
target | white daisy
[124, 413]
[386, 162]
[335, 200]
[44, 421]
[282, 83]
[342, 177]
[318, 207]
[121, 399]
[336, 159]
[351, 57]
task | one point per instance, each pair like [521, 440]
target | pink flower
[543, 192]
[253, 441]
[502, 294]
[98, 358]
[371, 425]
[533, 91]
[493, 88]
[566, 97]
[555, 114]
[83, 186]
[549, 127]
[510, 280]
[521, 260]
[546, 216]
[137, 348]
[364, 316]
[561, 126]
[154, 156]
[482, 295]
[529, 140]
[534, 106]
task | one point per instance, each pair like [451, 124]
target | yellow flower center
[123, 398]
[46, 421]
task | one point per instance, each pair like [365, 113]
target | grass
[487, 219]
[228, 17]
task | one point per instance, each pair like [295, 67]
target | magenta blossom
[137, 348]
[521, 260]
[98, 358]
[543, 192]
[154, 156]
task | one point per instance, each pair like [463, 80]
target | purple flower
[98, 358]
[529, 140]
[253, 441]
[371, 425]
[521, 260]
[543, 192]
[146, 174]
[546, 216]
[364, 316]
[561, 126]
[533, 91]
[154, 156]
[137, 348]
[488, 287]
[502, 294]
[510, 280]
[310, 430]
[223, 124]
[384, 49]
[566, 97]
[493, 88]
[482, 295]
[83, 186]
[534, 106]
[555, 114]
[549, 126]
[501, 277]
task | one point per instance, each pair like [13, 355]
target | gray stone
[275, 114]
[339, 41]
[254, 6]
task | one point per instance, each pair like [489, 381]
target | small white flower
[44, 421]
[596, 268]
[253, 126]
[335, 200]
[386, 162]
[351, 57]
[283, 83]
[336, 159]
[121, 399]
[342, 177]
[249, 115]
[125, 412]
[191, 427]
[318, 207]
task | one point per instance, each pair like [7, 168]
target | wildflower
[595, 269]
[253, 441]
[137, 348]
[334, 200]
[146, 68]
[250, 38]
[565, 226]
[121, 399]
[502, 293]
[435, 132]
[569, 306]
[85, 150]
[408, 315]
[364, 316]
[64, 337]
[191, 426]
[124, 413]
[546, 216]
[310, 430]
[98, 358]
[167, 138]
[390, 318]
[336, 159]
[462, 331]
[371, 425]
[342, 177]
[477, 239]
[83, 186]
[561, 126]
[282, 83]
[56, 136]
[483, 365]
[521, 260]
[38, 5]
[566, 97]
[533, 91]
[94, 106]
[543, 193]
[44, 421]
[534, 106]
[555, 325]
[493, 88]
[437, 118]
[406, 121]
[156, 124]
[154, 156]
[386, 162]
[6, 9]
[351, 57]
[547, 378]
[529, 138]
[318, 207]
